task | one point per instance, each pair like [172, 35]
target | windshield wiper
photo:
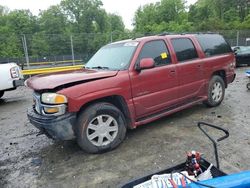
[99, 67]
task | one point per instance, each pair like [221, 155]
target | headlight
[53, 98]
[14, 72]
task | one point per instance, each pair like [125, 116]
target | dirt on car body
[28, 160]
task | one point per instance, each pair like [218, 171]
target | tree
[167, 15]
[83, 14]
[21, 22]
[53, 34]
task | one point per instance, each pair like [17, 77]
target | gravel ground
[28, 160]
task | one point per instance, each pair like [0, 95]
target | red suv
[130, 83]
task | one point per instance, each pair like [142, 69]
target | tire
[1, 94]
[248, 86]
[216, 91]
[93, 139]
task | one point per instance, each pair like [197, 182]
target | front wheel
[216, 91]
[100, 128]
[1, 94]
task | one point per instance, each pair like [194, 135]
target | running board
[167, 111]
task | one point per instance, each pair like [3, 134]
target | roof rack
[199, 33]
[143, 35]
[166, 33]
[175, 33]
[186, 33]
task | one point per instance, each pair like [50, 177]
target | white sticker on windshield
[131, 44]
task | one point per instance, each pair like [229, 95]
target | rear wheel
[248, 86]
[100, 128]
[1, 94]
[216, 91]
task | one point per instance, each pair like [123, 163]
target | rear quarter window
[213, 44]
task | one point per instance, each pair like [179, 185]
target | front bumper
[55, 127]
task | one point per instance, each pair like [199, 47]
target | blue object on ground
[239, 180]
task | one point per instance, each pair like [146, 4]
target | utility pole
[111, 36]
[72, 49]
[25, 50]
[237, 39]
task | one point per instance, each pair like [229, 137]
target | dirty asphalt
[28, 160]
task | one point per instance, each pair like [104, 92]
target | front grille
[37, 102]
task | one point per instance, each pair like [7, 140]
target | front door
[156, 88]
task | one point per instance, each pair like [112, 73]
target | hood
[54, 80]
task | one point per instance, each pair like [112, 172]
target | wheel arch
[222, 74]
[118, 101]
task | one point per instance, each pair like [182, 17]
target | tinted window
[213, 44]
[156, 50]
[184, 49]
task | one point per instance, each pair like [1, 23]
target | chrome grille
[37, 102]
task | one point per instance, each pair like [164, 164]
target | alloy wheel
[102, 130]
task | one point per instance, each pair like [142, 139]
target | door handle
[172, 72]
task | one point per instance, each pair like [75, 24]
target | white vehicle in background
[10, 77]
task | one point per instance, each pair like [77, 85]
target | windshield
[113, 56]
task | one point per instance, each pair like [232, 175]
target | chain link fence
[43, 50]
[237, 37]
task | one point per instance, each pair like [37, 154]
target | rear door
[189, 68]
[156, 88]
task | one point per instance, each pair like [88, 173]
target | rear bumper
[17, 83]
[243, 59]
[55, 127]
[231, 78]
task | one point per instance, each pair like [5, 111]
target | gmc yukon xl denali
[130, 83]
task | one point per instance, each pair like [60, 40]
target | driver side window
[157, 50]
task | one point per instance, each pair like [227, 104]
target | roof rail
[199, 33]
[143, 35]
[166, 33]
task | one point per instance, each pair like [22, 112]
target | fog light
[51, 110]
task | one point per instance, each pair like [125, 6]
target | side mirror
[146, 63]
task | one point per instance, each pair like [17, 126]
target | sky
[124, 8]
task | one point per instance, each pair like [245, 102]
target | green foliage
[21, 21]
[10, 46]
[49, 33]
[40, 46]
[167, 15]
[90, 26]
[204, 15]
[246, 23]
[84, 14]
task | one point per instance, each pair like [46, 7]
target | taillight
[14, 72]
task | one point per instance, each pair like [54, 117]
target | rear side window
[156, 50]
[184, 49]
[213, 44]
